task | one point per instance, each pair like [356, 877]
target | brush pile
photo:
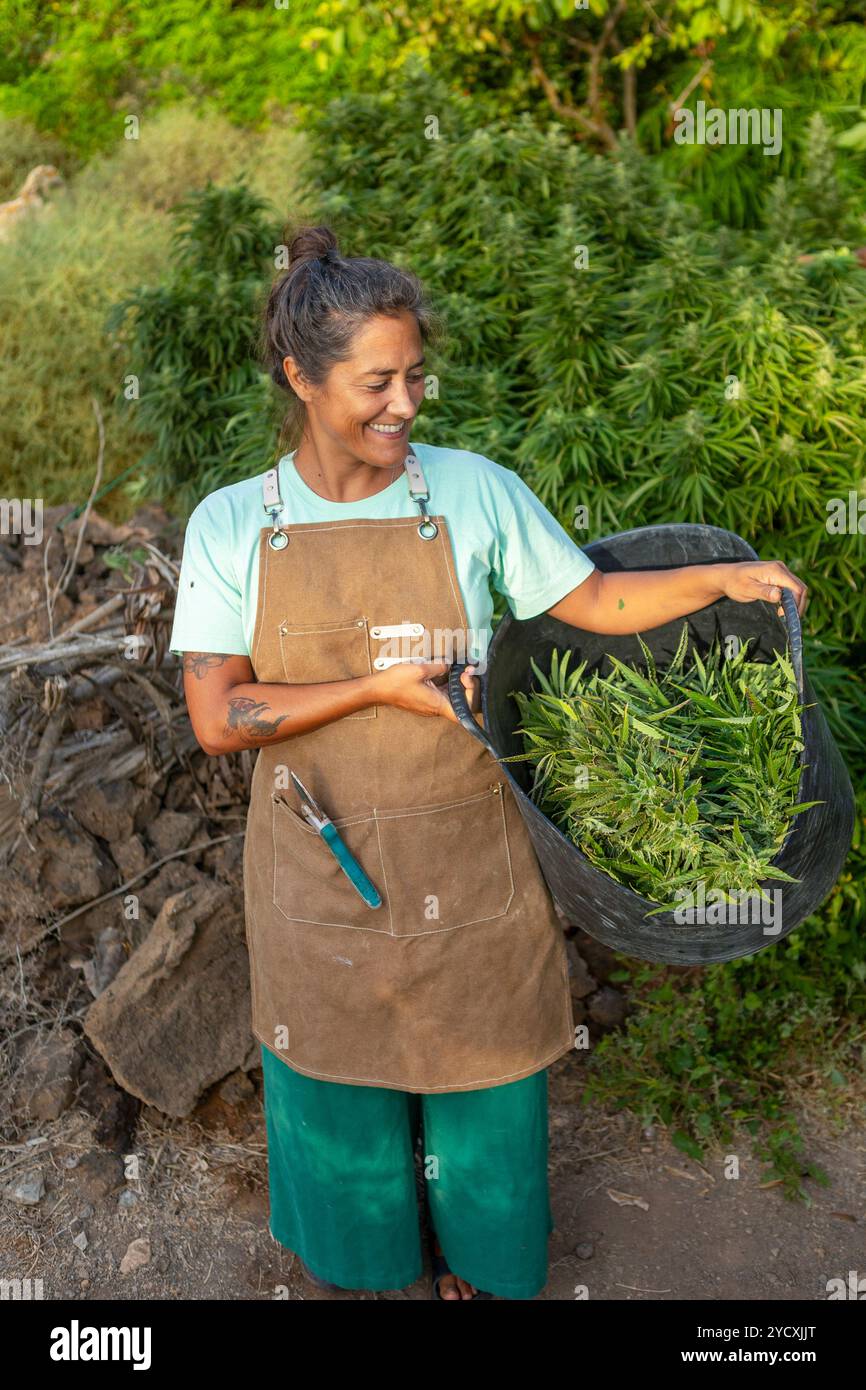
[121, 842]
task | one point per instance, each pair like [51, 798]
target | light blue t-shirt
[500, 532]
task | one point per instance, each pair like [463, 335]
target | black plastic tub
[819, 839]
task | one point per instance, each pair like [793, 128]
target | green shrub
[189, 343]
[58, 277]
[182, 149]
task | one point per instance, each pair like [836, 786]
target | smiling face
[363, 412]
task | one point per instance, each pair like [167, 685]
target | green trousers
[341, 1177]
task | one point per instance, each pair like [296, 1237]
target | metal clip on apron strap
[277, 540]
[418, 491]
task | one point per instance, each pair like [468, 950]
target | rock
[10, 559]
[172, 878]
[27, 1189]
[34, 557]
[177, 1018]
[585, 1250]
[108, 958]
[237, 1089]
[98, 530]
[173, 830]
[80, 1240]
[137, 1255]
[85, 554]
[113, 810]
[226, 862]
[151, 519]
[581, 983]
[68, 866]
[607, 1007]
[81, 934]
[128, 1198]
[98, 1175]
[47, 1074]
[180, 792]
[130, 856]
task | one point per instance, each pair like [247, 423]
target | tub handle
[460, 705]
[795, 639]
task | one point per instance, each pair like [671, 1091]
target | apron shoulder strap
[417, 482]
[418, 491]
[271, 490]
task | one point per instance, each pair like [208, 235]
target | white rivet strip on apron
[381, 663]
[399, 630]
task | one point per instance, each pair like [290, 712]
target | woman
[422, 990]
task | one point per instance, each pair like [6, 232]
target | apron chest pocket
[310, 886]
[312, 653]
[436, 867]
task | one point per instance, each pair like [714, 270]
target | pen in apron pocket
[313, 813]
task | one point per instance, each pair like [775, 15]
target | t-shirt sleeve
[537, 562]
[208, 614]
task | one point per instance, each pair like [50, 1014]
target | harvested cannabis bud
[666, 780]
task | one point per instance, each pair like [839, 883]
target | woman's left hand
[754, 579]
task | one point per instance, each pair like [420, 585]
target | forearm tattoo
[246, 717]
[199, 663]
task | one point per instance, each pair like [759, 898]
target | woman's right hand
[418, 686]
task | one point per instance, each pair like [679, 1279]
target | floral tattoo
[199, 663]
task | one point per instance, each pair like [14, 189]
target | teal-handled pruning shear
[315, 816]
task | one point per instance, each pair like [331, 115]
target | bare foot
[451, 1286]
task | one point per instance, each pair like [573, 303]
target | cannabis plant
[202, 397]
[665, 780]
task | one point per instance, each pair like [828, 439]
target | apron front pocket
[313, 653]
[446, 865]
[310, 886]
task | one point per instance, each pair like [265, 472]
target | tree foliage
[78, 68]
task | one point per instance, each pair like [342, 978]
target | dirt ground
[635, 1218]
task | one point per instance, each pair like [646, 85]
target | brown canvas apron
[459, 981]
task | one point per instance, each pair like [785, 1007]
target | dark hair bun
[309, 242]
